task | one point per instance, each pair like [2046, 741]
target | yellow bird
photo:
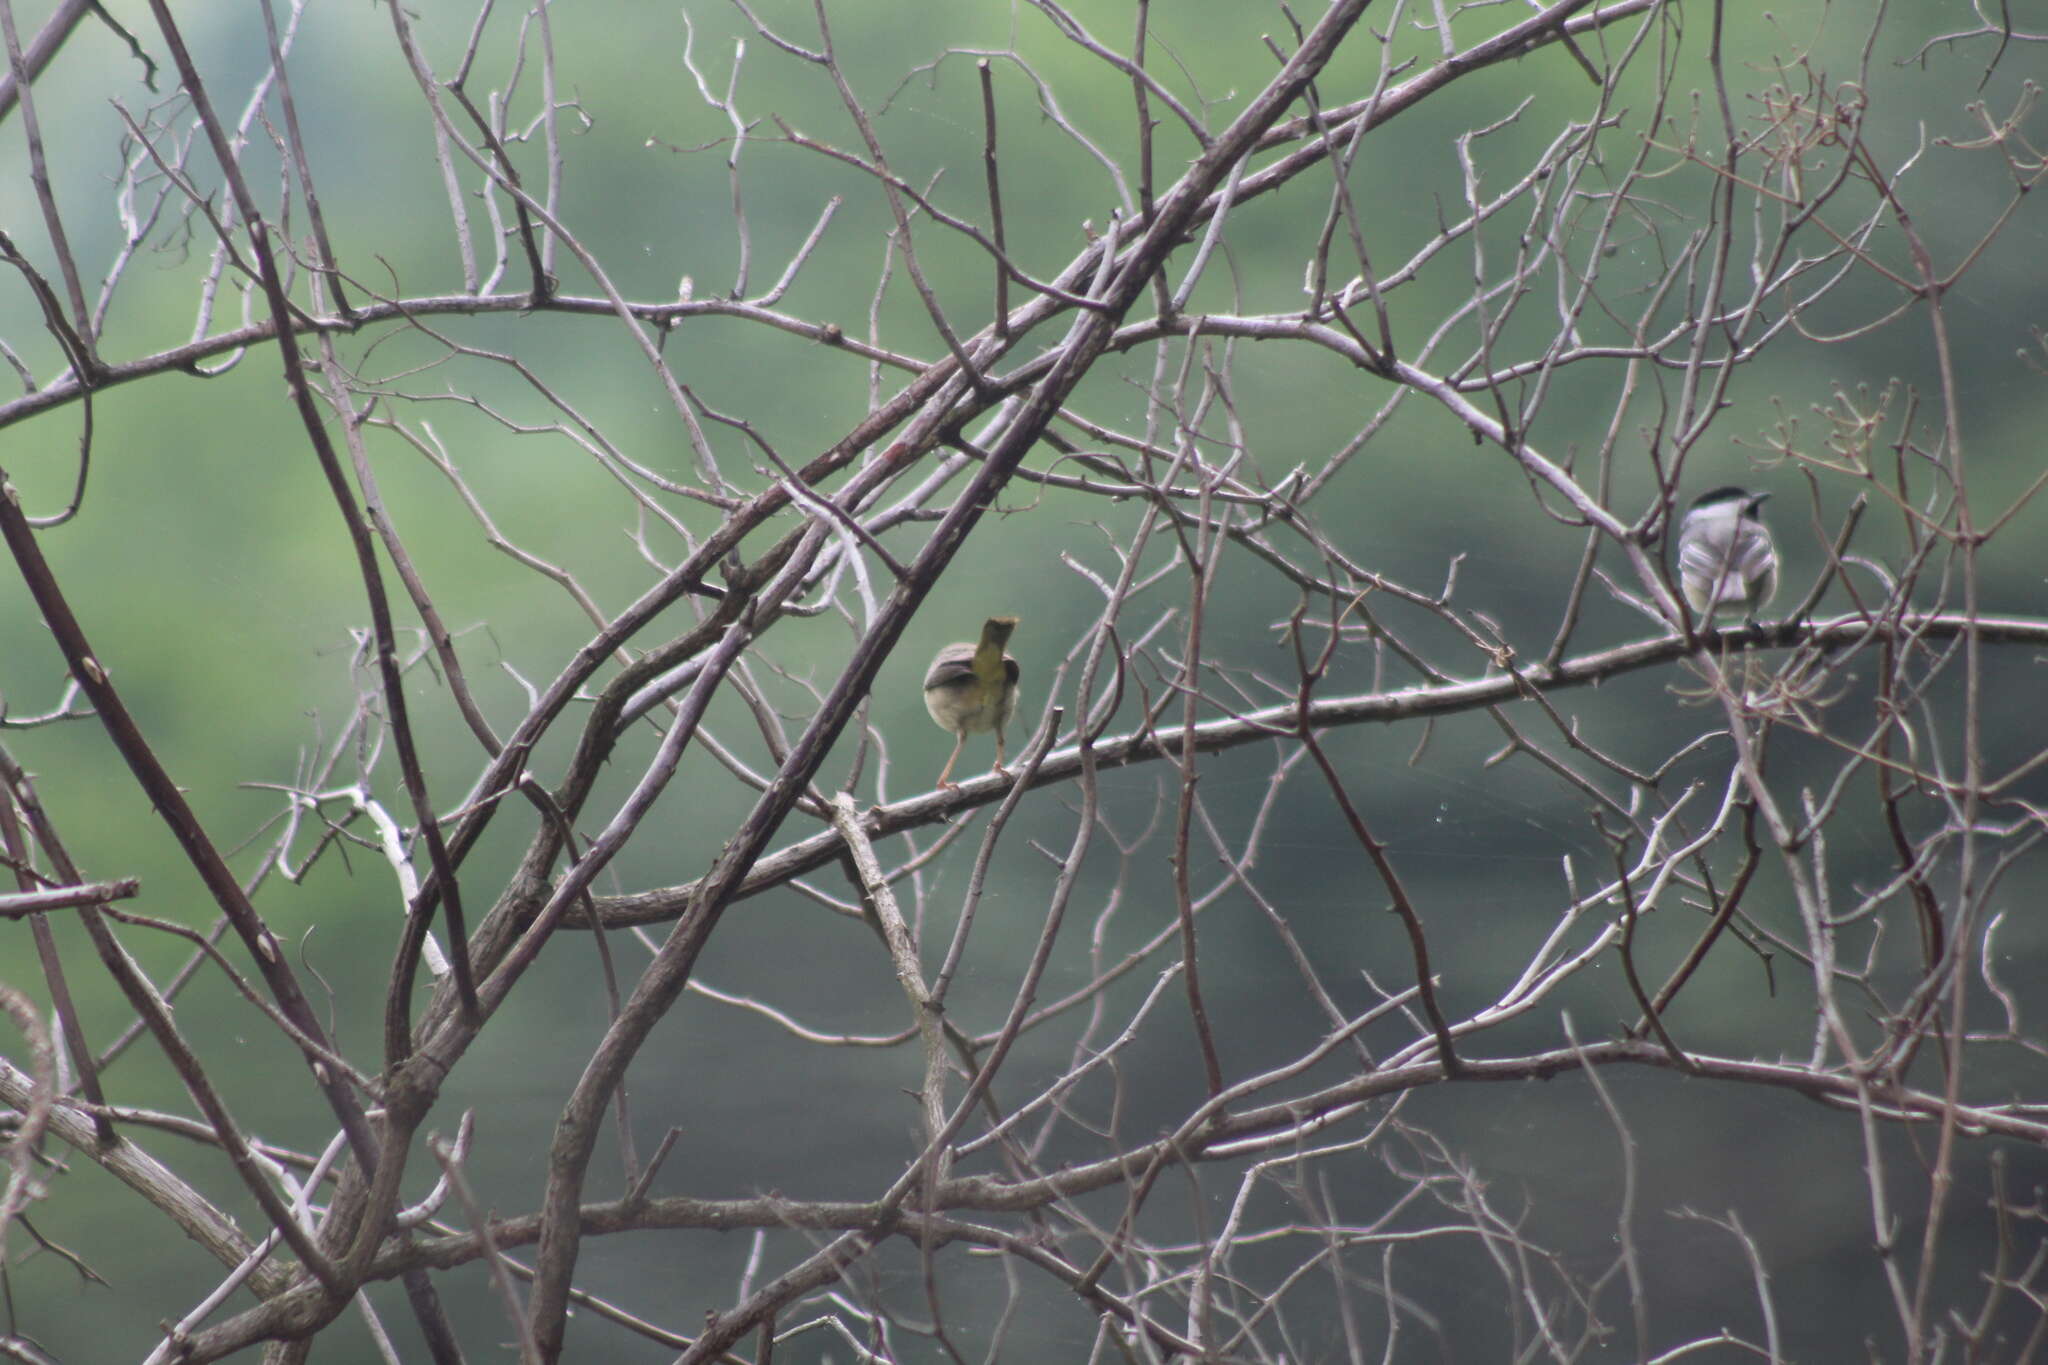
[972, 689]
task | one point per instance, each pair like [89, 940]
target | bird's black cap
[1728, 494]
[1714, 497]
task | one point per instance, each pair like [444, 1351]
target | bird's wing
[1753, 554]
[950, 667]
[1729, 559]
[1706, 558]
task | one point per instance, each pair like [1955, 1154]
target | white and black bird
[1726, 561]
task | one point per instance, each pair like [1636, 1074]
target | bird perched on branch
[1725, 556]
[972, 689]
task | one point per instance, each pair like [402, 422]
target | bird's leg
[999, 768]
[959, 743]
